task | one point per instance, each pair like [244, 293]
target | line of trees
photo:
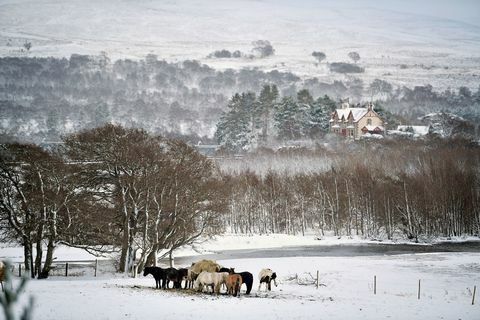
[250, 121]
[107, 188]
[382, 190]
[116, 189]
[42, 99]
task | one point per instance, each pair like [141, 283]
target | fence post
[418, 289]
[20, 270]
[96, 266]
[374, 284]
[66, 269]
[318, 279]
[473, 297]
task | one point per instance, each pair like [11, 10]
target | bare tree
[355, 56]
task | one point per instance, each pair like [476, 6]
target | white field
[346, 290]
[437, 49]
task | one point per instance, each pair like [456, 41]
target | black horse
[229, 270]
[176, 276]
[247, 278]
[183, 275]
[159, 275]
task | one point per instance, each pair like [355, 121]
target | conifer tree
[287, 120]
[233, 129]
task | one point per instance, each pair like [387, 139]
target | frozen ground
[345, 292]
[411, 47]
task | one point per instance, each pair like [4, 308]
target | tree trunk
[48, 260]
[28, 257]
[38, 257]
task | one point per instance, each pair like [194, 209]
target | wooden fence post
[418, 289]
[66, 269]
[96, 267]
[20, 270]
[318, 278]
[374, 284]
[473, 297]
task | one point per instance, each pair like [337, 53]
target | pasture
[346, 291]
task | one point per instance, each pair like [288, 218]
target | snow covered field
[411, 46]
[346, 290]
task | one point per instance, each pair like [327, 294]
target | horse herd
[206, 274]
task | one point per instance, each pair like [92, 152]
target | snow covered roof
[357, 113]
[418, 130]
[336, 126]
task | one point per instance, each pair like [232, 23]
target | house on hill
[356, 122]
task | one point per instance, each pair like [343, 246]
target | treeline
[44, 98]
[251, 121]
[115, 189]
[108, 189]
[381, 190]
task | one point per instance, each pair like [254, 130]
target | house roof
[357, 113]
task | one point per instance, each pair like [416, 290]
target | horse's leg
[270, 285]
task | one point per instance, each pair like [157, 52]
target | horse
[172, 274]
[234, 282]
[229, 270]
[3, 270]
[203, 265]
[191, 277]
[247, 278]
[213, 279]
[266, 276]
[183, 275]
[159, 275]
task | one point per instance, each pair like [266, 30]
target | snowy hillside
[429, 49]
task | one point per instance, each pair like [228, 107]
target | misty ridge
[42, 99]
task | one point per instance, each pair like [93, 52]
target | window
[369, 122]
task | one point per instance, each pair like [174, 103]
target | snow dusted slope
[435, 50]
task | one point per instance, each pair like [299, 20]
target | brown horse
[234, 282]
[3, 269]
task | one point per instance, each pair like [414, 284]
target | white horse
[266, 276]
[213, 279]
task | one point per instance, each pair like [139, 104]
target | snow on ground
[225, 242]
[406, 47]
[346, 292]
[346, 286]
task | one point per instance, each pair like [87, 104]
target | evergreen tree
[266, 103]
[305, 102]
[319, 116]
[233, 129]
[287, 122]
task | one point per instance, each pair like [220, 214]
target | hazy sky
[461, 10]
